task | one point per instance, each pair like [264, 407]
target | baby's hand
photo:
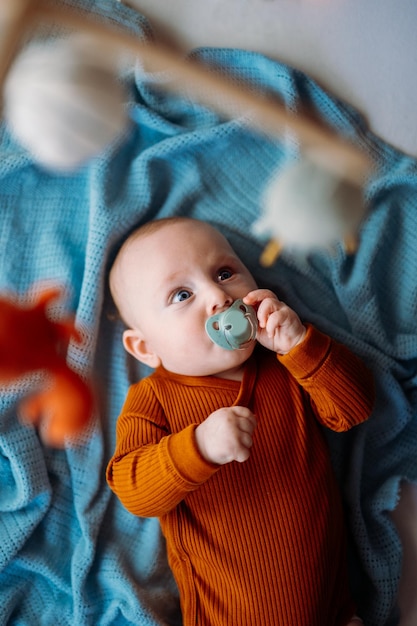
[280, 328]
[226, 435]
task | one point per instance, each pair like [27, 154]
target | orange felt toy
[30, 342]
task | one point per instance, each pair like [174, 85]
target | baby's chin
[227, 363]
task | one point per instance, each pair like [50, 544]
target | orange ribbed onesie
[259, 543]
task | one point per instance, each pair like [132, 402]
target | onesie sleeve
[340, 386]
[152, 470]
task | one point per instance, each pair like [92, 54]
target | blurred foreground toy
[31, 342]
[64, 102]
[307, 207]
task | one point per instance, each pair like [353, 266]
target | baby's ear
[136, 345]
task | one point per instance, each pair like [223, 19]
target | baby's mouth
[234, 328]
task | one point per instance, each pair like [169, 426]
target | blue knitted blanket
[69, 553]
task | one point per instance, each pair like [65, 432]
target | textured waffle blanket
[69, 553]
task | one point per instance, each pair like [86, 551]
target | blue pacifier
[234, 328]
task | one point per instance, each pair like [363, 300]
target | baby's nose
[219, 299]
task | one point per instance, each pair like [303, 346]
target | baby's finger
[277, 319]
[242, 454]
[247, 425]
[242, 411]
[246, 440]
[245, 414]
[267, 308]
[258, 295]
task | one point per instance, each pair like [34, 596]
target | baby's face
[174, 280]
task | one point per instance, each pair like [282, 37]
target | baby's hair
[148, 228]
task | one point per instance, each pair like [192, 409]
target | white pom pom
[63, 101]
[306, 207]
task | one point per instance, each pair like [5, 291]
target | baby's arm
[152, 470]
[279, 327]
[339, 384]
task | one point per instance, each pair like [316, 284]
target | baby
[226, 446]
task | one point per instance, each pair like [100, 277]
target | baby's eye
[181, 294]
[224, 274]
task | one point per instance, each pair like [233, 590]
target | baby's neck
[233, 374]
